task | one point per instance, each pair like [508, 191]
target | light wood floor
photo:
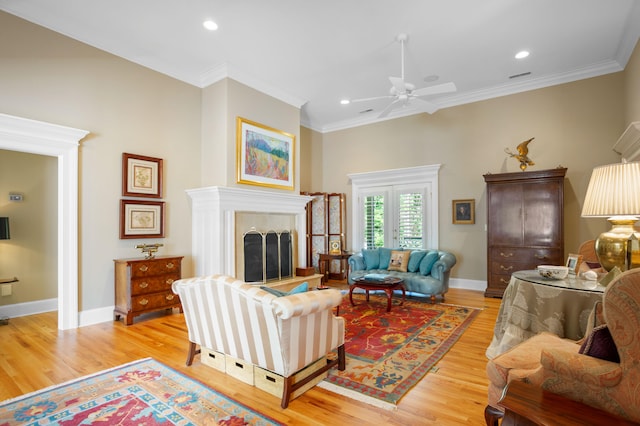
[34, 354]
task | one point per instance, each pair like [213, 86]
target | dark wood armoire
[525, 226]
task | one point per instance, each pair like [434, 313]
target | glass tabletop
[572, 281]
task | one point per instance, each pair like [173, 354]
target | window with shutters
[395, 208]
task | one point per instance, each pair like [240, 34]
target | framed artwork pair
[141, 177]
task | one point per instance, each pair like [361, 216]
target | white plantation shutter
[373, 221]
[410, 213]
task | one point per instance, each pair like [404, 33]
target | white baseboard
[466, 284]
[29, 308]
[95, 316]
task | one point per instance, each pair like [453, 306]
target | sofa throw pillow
[278, 293]
[371, 258]
[600, 344]
[427, 262]
[399, 260]
[415, 258]
[385, 257]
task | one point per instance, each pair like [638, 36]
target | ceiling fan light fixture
[522, 54]
[345, 101]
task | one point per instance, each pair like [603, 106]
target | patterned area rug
[389, 352]
[144, 392]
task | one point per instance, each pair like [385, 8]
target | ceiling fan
[404, 93]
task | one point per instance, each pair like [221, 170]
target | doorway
[36, 137]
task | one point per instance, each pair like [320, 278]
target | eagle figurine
[523, 154]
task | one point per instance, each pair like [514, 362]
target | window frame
[368, 183]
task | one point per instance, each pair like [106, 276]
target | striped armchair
[279, 334]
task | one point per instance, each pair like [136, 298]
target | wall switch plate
[15, 197]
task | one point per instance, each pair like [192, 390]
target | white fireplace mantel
[214, 211]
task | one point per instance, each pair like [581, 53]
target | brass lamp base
[611, 246]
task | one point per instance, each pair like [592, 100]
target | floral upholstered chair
[602, 370]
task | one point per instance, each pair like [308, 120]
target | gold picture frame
[141, 176]
[141, 219]
[463, 212]
[264, 156]
[573, 263]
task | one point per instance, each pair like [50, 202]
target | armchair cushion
[600, 344]
[301, 288]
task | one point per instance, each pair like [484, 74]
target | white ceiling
[313, 54]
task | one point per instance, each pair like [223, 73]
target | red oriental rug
[143, 392]
[389, 352]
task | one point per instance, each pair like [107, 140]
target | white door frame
[37, 137]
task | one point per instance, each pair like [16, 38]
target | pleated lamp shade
[614, 190]
[4, 228]
[614, 193]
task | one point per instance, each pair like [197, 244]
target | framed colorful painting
[265, 156]
[141, 176]
[141, 219]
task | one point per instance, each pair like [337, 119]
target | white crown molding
[511, 88]
[628, 145]
[229, 71]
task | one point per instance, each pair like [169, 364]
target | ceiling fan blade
[424, 106]
[388, 109]
[434, 90]
[371, 99]
[398, 84]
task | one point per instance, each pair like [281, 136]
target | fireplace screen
[267, 256]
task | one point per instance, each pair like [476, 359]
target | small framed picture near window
[265, 156]
[573, 263]
[141, 176]
[141, 219]
[464, 212]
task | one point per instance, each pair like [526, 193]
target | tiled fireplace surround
[220, 216]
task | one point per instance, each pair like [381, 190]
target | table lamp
[614, 193]
[4, 228]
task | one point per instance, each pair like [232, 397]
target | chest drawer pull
[170, 265]
[144, 284]
[144, 302]
[502, 280]
[506, 254]
[506, 268]
[144, 268]
[169, 297]
[169, 281]
[540, 256]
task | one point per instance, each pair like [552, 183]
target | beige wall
[30, 254]
[632, 87]
[127, 108]
[574, 125]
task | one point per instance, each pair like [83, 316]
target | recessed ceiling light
[522, 54]
[345, 101]
[210, 25]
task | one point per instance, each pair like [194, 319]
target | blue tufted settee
[427, 271]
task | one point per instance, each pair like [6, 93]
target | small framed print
[573, 263]
[335, 247]
[141, 176]
[463, 211]
[141, 219]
